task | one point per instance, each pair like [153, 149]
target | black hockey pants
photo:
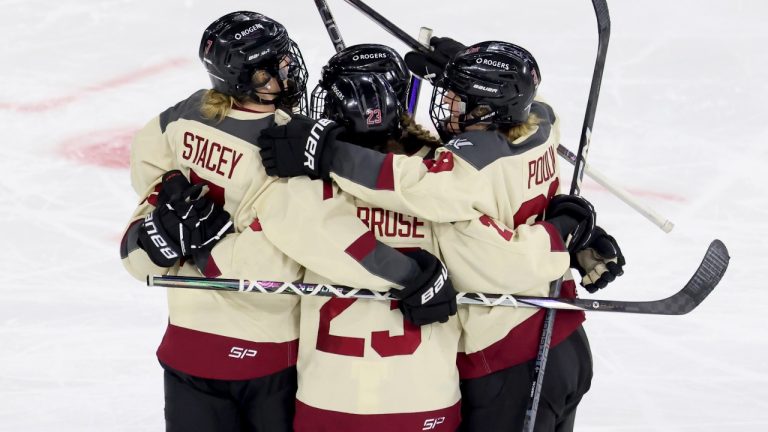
[265, 404]
[497, 402]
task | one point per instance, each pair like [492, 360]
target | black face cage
[291, 74]
[449, 112]
[317, 102]
[470, 110]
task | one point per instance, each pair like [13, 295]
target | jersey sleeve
[310, 221]
[444, 189]
[151, 156]
[483, 255]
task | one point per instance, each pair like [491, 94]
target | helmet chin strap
[464, 123]
[280, 101]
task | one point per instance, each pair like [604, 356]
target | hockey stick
[414, 87]
[603, 35]
[655, 218]
[665, 224]
[703, 281]
[392, 29]
[330, 25]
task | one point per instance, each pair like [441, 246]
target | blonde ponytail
[415, 131]
[523, 129]
[216, 105]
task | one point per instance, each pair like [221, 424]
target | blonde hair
[523, 129]
[417, 132]
[216, 105]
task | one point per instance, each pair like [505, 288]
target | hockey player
[361, 367]
[229, 358]
[500, 162]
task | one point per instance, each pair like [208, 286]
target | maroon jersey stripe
[327, 190]
[521, 344]
[362, 247]
[211, 269]
[311, 419]
[255, 225]
[208, 355]
[555, 242]
[386, 178]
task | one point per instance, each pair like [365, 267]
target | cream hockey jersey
[361, 365]
[474, 176]
[213, 334]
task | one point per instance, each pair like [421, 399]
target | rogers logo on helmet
[494, 63]
[248, 31]
[369, 56]
[337, 92]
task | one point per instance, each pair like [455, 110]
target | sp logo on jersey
[241, 353]
[433, 423]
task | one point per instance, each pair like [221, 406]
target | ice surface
[680, 124]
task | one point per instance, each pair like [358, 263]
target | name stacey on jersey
[210, 155]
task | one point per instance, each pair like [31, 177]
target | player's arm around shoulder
[484, 255]
[316, 224]
[443, 189]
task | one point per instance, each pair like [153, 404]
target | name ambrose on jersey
[210, 155]
[385, 223]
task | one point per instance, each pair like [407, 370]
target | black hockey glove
[430, 297]
[183, 223]
[600, 262]
[574, 218]
[431, 66]
[300, 147]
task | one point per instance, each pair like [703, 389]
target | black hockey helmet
[365, 103]
[238, 44]
[375, 58]
[495, 82]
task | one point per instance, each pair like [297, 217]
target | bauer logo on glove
[438, 284]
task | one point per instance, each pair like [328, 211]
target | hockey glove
[430, 66]
[600, 262]
[574, 218]
[183, 222]
[430, 297]
[300, 147]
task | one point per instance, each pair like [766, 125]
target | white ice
[679, 123]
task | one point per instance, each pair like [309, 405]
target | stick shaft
[654, 217]
[330, 25]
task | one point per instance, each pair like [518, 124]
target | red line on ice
[118, 81]
[641, 193]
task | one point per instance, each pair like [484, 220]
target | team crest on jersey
[457, 143]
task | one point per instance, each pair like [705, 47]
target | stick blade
[704, 280]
